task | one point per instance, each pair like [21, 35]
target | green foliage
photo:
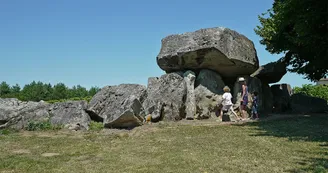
[5, 132]
[60, 91]
[36, 91]
[96, 126]
[298, 29]
[88, 98]
[93, 90]
[4, 89]
[320, 91]
[43, 125]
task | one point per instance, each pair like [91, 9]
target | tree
[4, 89]
[27, 93]
[15, 89]
[93, 91]
[299, 30]
[60, 91]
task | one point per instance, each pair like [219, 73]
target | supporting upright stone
[166, 97]
[189, 78]
[208, 93]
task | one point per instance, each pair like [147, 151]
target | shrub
[320, 91]
[43, 125]
[6, 131]
[97, 126]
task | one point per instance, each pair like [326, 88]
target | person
[244, 98]
[226, 102]
[255, 105]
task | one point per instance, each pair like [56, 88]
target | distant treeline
[36, 91]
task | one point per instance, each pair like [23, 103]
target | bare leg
[231, 109]
[220, 116]
[241, 110]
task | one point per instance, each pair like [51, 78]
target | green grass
[44, 125]
[291, 145]
[96, 126]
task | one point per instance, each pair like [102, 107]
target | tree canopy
[299, 30]
[36, 91]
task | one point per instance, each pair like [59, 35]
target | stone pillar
[189, 78]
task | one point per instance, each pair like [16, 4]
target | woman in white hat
[244, 97]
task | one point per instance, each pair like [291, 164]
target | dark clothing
[245, 98]
[254, 106]
[255, 101]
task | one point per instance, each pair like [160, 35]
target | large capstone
[220, 49]
[166, 97]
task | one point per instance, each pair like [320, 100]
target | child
[226, 102]
[254, 105]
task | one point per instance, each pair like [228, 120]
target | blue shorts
[254, 109]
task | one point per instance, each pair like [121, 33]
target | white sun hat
[241, 79]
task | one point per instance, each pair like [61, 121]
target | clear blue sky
[106, 42]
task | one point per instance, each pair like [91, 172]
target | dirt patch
[50, 154]
[21, 151]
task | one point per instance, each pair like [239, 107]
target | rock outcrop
[71, 114]
[128, 115]
[17, 114]
[267, 101]
[220, 49]
[110, 98]
[208, 93]
[301, 103]
[271, 72]
[281, 97]
[198, 65]
[166, 97]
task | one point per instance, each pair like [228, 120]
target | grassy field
[298, 144]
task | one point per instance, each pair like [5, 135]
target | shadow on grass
[306, 128]
[311, 128]
[318, 165]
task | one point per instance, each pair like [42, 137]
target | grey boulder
[17, 114]
[220, 49]
[189, 78]
[70, 114]
[267, 102]
[166, 97]
[129, 115]
[301, 103]
[208, 93]
[281, 97]
[271, 72]
[211, 80]
[109, 99]
[206, 103]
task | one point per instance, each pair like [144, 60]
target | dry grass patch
[289, 145]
